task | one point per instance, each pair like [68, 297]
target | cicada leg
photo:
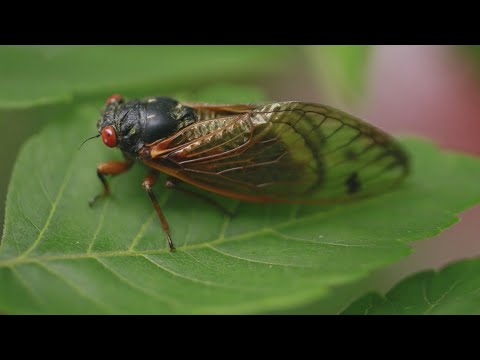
[109, 168]
[147, 184]
[172, 183]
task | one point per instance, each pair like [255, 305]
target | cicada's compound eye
[115, 99]
[109, 136]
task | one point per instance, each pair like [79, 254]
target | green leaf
[453, 290]
[335, 302]
[59, 256]
[33, 75]
[340, 71]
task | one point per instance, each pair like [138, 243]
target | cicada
[291, 152]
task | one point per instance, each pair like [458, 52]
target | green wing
[286, 152]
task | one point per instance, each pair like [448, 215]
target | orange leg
[147, 185]
[109, 168]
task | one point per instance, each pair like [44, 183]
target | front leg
[147, 184]
[110, 168]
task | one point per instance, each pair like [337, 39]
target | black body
[140, 122]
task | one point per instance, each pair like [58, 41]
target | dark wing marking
[283, 152]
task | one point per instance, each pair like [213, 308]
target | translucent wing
[283, 152]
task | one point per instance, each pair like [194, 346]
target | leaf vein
[53, 209]
[424, 293]
[254, 261]
[195, 280]
[289, 237]
[22, 210]
[169, 301]
[27, 287]
[437, 302]
[44, 190]
[73, 286]
[99, 226]
[141, 231]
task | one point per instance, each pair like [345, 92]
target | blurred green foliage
[51, 74]
[340, 71]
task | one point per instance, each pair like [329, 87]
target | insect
[292, 152]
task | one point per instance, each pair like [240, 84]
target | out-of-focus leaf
[453, 290]
[47, 74]
[340, 71]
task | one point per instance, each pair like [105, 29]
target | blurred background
[429, 91]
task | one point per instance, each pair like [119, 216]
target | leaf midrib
[264, 231]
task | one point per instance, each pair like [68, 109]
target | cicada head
[130, 125]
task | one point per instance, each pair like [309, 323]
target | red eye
[114, 98]
[109, 136]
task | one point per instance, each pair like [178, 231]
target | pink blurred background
[425, 90]
[432, 91]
